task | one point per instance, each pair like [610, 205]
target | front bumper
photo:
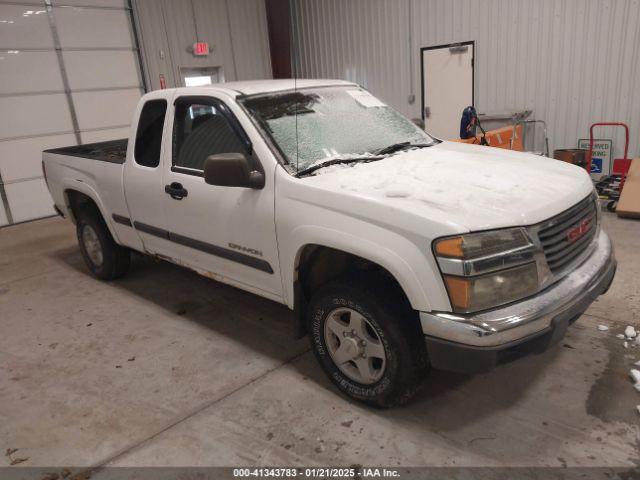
[477, 342]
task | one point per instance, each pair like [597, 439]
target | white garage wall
[236, 31]
[573, 62]
[69, 73]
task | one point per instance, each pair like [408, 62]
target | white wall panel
[93, 28]
[104, 135]
[21, 159]
[154, 44]
[106, 108]
[29, 200]
[93, 3]
[210, 17]
[250, 38]
[236, 31]
[38, 72]
[573, 62]
[3, 217]
[101, 87]
[34, 115]
[24, 26]
[364, 41]
[86, 69]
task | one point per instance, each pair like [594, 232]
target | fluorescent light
[197, 81]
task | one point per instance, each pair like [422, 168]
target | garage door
[69, 74]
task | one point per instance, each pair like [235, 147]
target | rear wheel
[103, 256]
[368, 341]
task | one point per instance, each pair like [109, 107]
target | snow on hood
[472, 186]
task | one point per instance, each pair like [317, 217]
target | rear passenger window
[149, 133]
[201, 130]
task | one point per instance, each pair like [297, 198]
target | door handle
[176, 191]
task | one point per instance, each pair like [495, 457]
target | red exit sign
[201, 49]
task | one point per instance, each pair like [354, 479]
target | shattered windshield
[313, 125]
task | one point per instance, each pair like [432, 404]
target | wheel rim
[92, 245]
[354, 346]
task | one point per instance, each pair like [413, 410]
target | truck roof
[252, 87]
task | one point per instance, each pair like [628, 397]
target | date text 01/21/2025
[360, 472]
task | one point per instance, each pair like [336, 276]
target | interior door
[447, 87]
[227, 232]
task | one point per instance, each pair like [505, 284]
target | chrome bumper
[567, 298]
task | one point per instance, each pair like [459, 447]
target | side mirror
[231, 170]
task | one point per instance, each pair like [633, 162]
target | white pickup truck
[397, 251]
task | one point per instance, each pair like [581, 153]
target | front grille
[569, 234]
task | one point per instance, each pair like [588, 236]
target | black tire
[395, 325]
[115, 259]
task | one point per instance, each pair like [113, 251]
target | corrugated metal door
[69, 73]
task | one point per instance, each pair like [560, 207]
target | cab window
[149, 133]
[200, 130]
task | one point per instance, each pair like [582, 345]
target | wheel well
[318, 265]
[80, 203]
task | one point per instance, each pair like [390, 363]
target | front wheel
[105, 258]
[367, 341]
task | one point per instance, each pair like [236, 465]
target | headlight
[476, 245]
[487, 269]
[471, 294]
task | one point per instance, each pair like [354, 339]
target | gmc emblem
[579, 230]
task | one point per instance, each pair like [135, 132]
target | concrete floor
[168, 368]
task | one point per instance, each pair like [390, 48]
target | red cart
[610, 187]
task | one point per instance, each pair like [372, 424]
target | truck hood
[466, 187]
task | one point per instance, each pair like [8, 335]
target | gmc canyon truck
[396, 251]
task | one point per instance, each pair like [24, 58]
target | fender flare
[396, 265]
[82, 187]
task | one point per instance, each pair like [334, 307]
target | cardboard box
[577, 156]
[629, 204]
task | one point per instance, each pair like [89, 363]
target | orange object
[450, 247]
[500, 138]
[459, 291]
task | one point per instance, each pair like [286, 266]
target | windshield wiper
[336, 161]
[397, 147]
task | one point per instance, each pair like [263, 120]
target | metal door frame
[473, 70]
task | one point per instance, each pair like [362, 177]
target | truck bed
[113, 151]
